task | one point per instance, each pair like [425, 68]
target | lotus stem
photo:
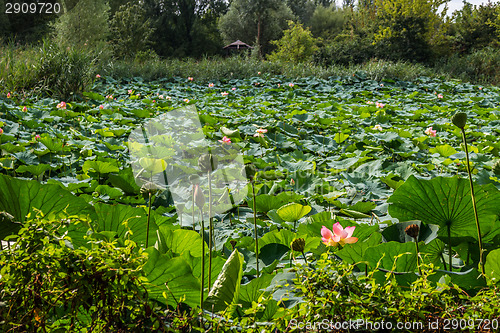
[479, 236]
[255, 227]
[149, 218]
[449, 248]
[418, 256]
[193, 212]
[211, 230]
[202, 231]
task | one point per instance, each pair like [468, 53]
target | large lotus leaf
[393, 256]
[266, 202]
[180, 241]
[354, 253]
[396, 232]
[171, 278]
[446, 202]
[127, 222]
[21, 197]
[293, 212]
[471, 280]
[492, 265]
[251, 291]
[99, 167]
[227, 286]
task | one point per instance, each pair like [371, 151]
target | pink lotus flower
[210, 85]
[480, 88]
[260, 132]
[190, 78]
[338, 235]
[109, 96]
[1, 131]
[279, 85]
[369, 102]
[130, 91]
[101, 107]
[61, 105]
[378, 128]
[430, 132]
[160, 96]
[98, 76]
[8, 95]
[168, 97]
[258, 73]
[290, 85]
[292, 182]
[37, 137]
[225, 140]
[379, 105]
[25, 109]
[381, 84]
[233, 88]
[224, 93]
[440, 96]
[186, 100]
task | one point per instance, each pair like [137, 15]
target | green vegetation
[359, 198]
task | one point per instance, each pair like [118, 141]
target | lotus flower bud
[459, 119]
[199, 197]
[208, 162]
[496, 168]
[194, 179]
[412, 230]
[249, 171]
[298, 244]
[233, 243]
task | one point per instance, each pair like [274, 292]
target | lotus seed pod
[459, 119]
[208, 162]
[199, 197]
[194, 179]
[249, 171]
[496, 168]
[298, 244]
[412, 230]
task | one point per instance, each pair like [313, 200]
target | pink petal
[350, 240]
[349, 231]
[326, 233]
[337, 229]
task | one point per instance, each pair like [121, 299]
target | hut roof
[238, 45]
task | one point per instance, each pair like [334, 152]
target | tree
[185, 27]
[408, 29]
[302, 9]
[131, 31]
[259, 20]
[473, 26]
[297, 45]
[328, 22]
[83, 23]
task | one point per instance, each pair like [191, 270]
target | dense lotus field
[344, 166]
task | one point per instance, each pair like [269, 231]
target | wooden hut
[237, 46]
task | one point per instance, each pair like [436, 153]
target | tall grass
[52, 70]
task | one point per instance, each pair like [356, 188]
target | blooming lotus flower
[98, 76]
[378, 128]
[260, 132]
[1, 131]
[338, 235]
[160, 96]
[225, 140]
[190, 78]
[61, 105]
[430, 132]
[440, 96]
[379, 105]
[381, 84]
[210, 85]
[369, 102]
[290, 85]
[233, 88]
[37, 137]
[258, 73]
[279, 85]
[168, 97]
[186, 100]
[101, 107]
[130, 91]
[225, 93]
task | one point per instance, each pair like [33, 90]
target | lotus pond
[356, 206]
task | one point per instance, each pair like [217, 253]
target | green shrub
[297, 45]
[46, 285]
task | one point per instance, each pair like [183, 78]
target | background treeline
[320, 33]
